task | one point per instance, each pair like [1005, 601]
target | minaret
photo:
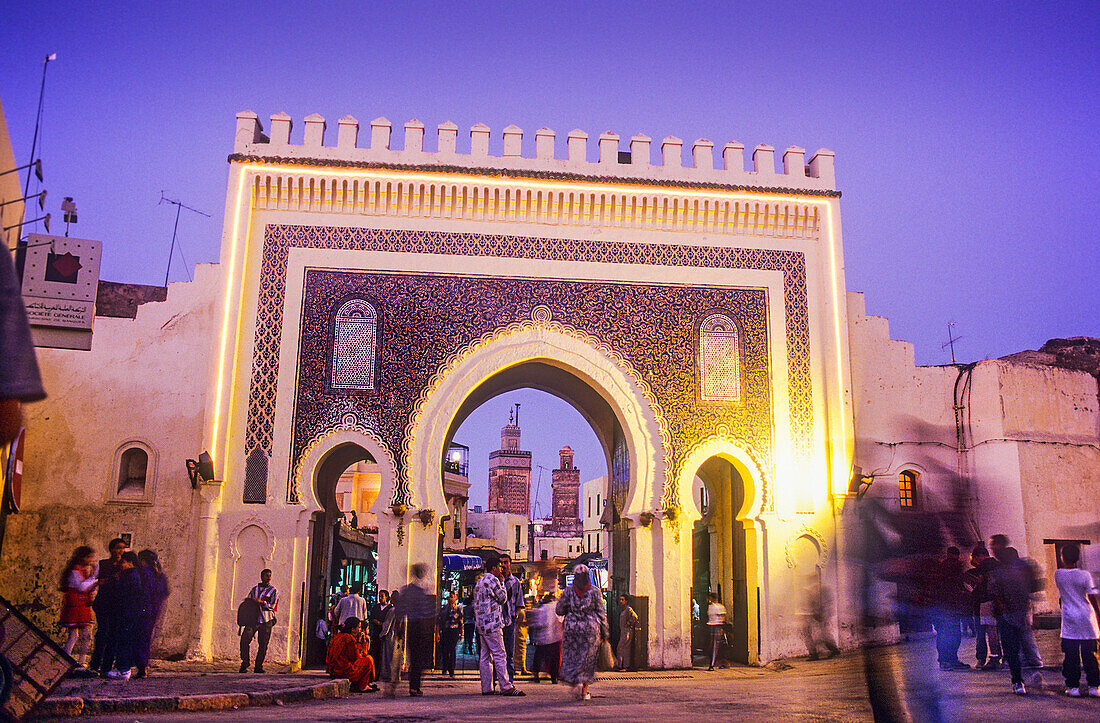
[510, 472]
[567, 487]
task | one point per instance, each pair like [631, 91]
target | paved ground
[822, 690]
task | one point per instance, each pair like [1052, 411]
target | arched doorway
[560, 412]
[726, 555]
[342, 536]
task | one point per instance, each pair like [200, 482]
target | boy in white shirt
[1080, 628]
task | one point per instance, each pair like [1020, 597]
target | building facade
[565, 495]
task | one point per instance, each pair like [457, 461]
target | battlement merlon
[816, 174]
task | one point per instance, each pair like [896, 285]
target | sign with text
[60, 279]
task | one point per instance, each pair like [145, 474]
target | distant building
[456, 489]
[595, 537]
[510, 474]
[566, 485]
[500, 531]
[547, 545]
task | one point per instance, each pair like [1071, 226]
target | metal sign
[60, 280]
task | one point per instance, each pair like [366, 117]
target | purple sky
[964, 132]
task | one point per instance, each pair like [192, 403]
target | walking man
[490, 601]
[1011, 592]
[268, 599]
[1029, 649]
[987, 647]
[417, 606]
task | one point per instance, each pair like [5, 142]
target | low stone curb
[72, 707]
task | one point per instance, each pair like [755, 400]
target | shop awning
[459, 563]
[344, 549]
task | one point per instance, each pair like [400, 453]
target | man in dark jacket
[417, 606]
[103, 656]
[127, 603]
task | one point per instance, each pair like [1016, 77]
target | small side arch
[346, 439]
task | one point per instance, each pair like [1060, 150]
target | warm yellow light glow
[456, 457]
[527, 183]
[842, 454]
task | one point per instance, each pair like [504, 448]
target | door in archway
[343, 539]
[727, 566]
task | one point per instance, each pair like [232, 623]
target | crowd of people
[990, 594]
[122, 596]
[567, 632]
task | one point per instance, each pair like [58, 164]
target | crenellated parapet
[638, 162]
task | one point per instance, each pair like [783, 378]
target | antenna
[172, 248]
[951, 339]
[517, 414]
[538, 483]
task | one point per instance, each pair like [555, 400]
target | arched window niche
[355, 344]
[719, 359]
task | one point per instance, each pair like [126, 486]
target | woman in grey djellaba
[585, 627]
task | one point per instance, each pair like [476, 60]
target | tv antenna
[172, 248]
[951, 339]
[535, 504]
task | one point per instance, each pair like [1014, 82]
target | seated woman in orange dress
[347, 658]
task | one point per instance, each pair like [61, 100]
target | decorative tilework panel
[430, 317]
[279, 238]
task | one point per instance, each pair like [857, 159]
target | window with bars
[907, 489]
[719, 359]
[355, 343]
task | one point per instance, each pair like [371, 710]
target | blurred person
[519, 658]
[490, 603]
[468, 626]
[19, 378]
[1010, 588]
[716, 621]
[267, 600]
[949, 603]
[628, 624]
[1080, 603]
[347, 657]
[154, 584]
[106, 571]
[393, 647]
[450, 628]
[78, 583]
[352, 605]
[1029, 648]
[547, 631]
[334, 601]
[815, 628]
[584, 629]
[987, 647]
[128, 600]
[417, 606]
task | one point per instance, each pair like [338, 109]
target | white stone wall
[1031, 441]
[142, 383]
[594, 537]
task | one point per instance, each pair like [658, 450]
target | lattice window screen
[354, 346]
[255, 477]
[719, 360]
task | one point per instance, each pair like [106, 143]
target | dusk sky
[964, 132]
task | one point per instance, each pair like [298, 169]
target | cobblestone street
[822, 690]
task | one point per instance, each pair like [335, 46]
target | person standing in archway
[716, 621]
[628, 623]
[490, 599]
